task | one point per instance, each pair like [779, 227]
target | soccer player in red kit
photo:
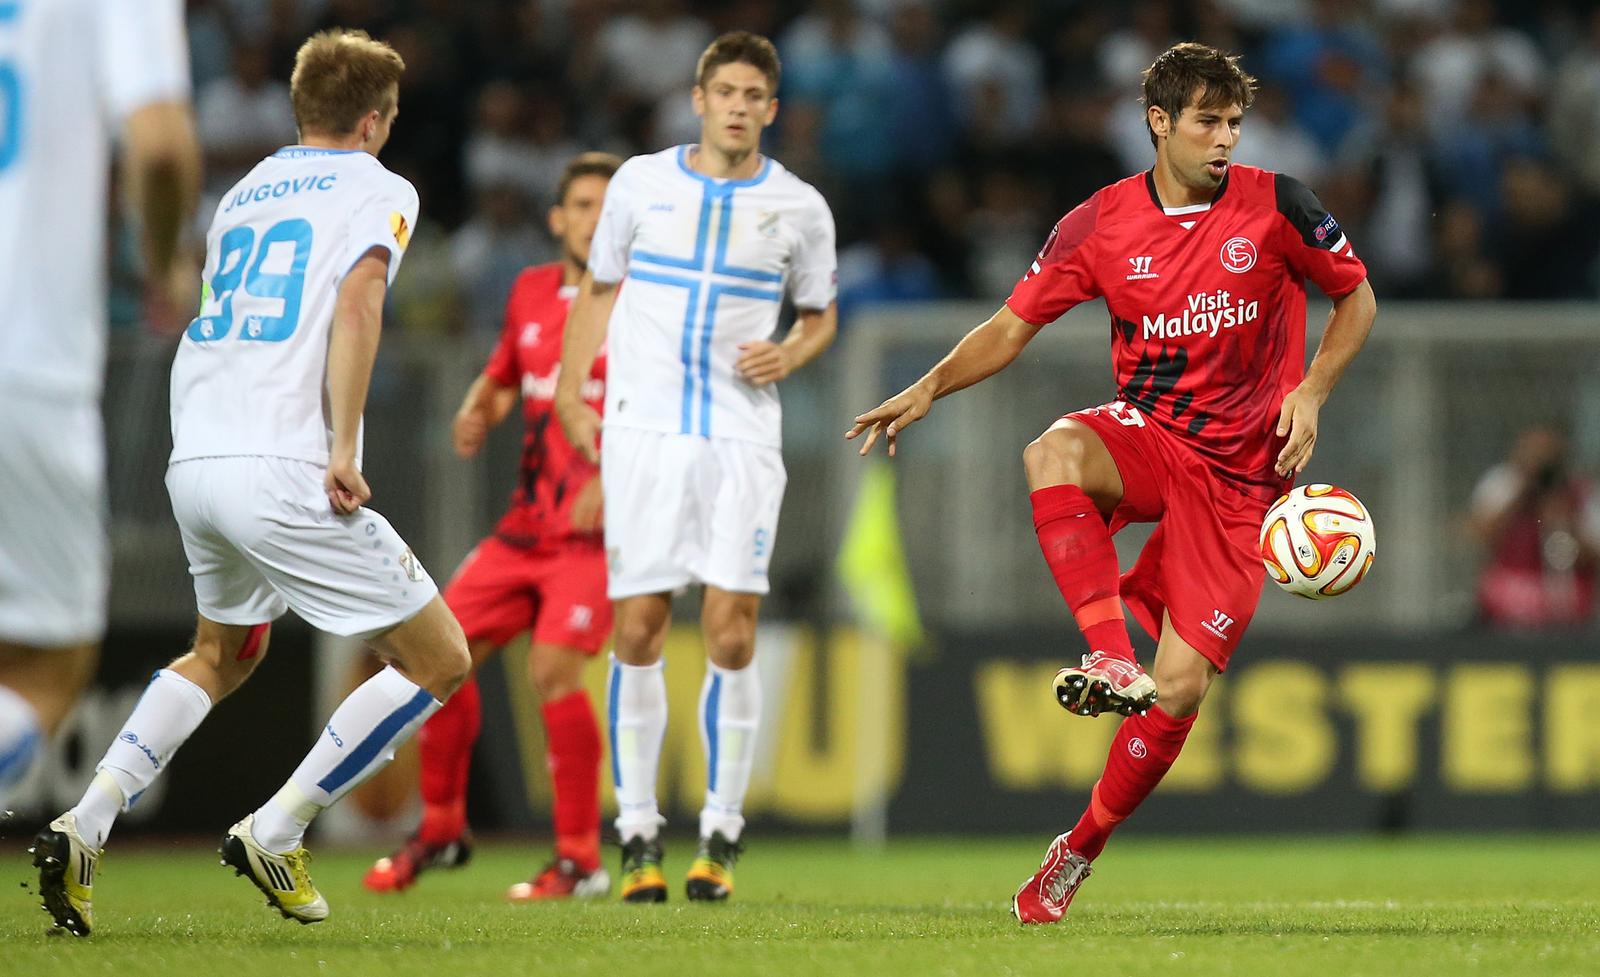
[543, 570]
[1202, 265]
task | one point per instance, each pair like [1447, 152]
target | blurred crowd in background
[1457, 140]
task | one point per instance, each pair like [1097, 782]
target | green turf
[1345, 907]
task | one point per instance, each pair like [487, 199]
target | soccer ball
[1318, 541]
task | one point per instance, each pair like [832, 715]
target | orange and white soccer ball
[1318, 541]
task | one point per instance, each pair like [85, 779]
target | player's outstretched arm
[982, 353]
[352, 349]
[768, 362]
[1348, 326]
[586, 330]
[161, 167]
[486, 404]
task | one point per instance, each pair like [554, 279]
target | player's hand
[891, 417]
[589, 508]
[468, 432]
[1298, 419]
[762, 363]
[581, 424]
[347, 489]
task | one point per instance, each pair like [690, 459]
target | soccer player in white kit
[73, 74]
[695, 248]
[265, 479]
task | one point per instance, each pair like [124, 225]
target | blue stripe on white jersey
[703, 290]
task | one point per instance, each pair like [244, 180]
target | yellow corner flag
[872, 562]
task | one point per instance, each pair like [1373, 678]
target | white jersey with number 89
[250, 376]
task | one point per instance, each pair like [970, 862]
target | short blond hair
[340, 76]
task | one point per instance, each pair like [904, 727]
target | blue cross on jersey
[706, 263]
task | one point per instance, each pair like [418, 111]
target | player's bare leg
[428, 660]
[49, 679]
[173, 705]
[429, 649]
[1074, 485]
[444, 746]
[572, 737]
[1141, 754]
[730, 712]
[638, 705]
[38, 687]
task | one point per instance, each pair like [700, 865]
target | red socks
[1078, 548]
[573, 736]
[444, 745]
[1141, 754]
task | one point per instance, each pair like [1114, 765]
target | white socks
[20, 739]
[360, 738]
[730, 711]
[637, 717]
[168, 713]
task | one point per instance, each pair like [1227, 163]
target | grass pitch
[1347, 907]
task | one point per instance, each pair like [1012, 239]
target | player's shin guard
[573, 736]
[444, 750]
[20, 739]
[637, 708]
[168, 713]
[730, 711]
[359, 739]
[1082, 559]
[1141, 754]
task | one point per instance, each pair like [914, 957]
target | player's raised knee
[1053, 458]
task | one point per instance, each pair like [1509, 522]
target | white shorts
[683, 509]
[261, 538]
[54, 559]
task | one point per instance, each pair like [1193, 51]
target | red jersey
[1208, 305]
[529, 356]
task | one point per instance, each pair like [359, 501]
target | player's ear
[1160, 121]
[772, 111]
[558, 222]
[698, 97]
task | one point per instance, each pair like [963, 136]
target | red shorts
[558, 592]
[1202, 564]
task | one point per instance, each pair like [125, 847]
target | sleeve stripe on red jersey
[1301, 208]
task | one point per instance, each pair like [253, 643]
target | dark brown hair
[586, 164]
[340, 76]
[1211, 77]
[740, 47]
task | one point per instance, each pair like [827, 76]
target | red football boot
[562, 879]
[1045, 897]
[1105, 682]
[399, 871]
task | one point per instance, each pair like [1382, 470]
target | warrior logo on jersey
[1238, 254]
